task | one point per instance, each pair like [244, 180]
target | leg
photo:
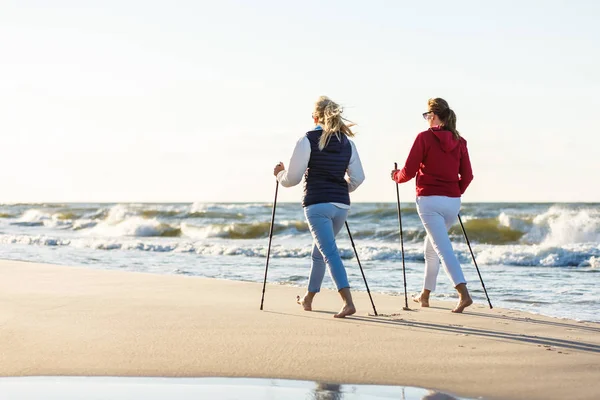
[322, 219]
[348, 308]
[464, 298]
[315, 279]
[432, 263]
[317, 270]
[439, 213]
[449, 208]
[432, 267]
[436, 231]
[321, 223]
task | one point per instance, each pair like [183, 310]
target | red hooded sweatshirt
[440, 162]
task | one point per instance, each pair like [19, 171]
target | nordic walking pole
[401, 245]
[269, 248]
[474, 262]
[361, 268]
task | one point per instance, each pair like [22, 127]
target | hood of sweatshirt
[446, 138]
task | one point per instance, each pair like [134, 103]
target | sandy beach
[75, 321]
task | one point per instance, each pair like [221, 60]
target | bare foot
[421, 299]
[345, 311]
[462, 304]
[305, 303]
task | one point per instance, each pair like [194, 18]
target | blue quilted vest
[324, 178]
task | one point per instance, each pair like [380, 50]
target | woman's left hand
[394, 173]
[278, 168]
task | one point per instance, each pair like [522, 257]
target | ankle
[462, 290]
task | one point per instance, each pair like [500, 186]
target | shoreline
[79, 321]
[359, 289]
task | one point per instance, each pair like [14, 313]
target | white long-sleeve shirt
[299, 162]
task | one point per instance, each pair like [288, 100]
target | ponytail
[450, 123]
[329, 115]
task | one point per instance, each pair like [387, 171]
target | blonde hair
[329, 115]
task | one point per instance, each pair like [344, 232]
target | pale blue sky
[196, 101]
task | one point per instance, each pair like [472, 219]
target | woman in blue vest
[324, 156]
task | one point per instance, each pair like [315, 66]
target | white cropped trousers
[438, 214]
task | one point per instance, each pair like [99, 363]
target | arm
[298, 164]
[413, 162]
[356, 175]
[465, 171]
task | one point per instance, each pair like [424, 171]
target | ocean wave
[28, 223]
[66, 216]
[214, 215]
[51, 218]
[548, 225]
[384, 211]
[488, 231]
[200, 207]
[516, 222]
[482, 231]
[253, 230]
[585, 258]
[83, 224]
[134, 226]
[159, 213]
[558, 225]
[33, 240]
[409, 235]
[594, 263]
[568, 226]
[121, 212]
[35, 215]
[540, 255]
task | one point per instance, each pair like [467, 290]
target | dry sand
[79, 321]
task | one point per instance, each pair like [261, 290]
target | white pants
[438, 214]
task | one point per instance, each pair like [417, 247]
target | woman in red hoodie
[440, 161]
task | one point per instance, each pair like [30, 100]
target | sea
[536, 257]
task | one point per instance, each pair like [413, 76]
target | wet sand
[74, 321]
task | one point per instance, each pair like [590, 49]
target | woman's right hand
[394, 171]
[278, 168]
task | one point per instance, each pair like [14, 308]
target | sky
[184, 101]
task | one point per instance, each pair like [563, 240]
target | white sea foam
[557, 226]
[581, 255]
[570, 226]
[35, 215]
